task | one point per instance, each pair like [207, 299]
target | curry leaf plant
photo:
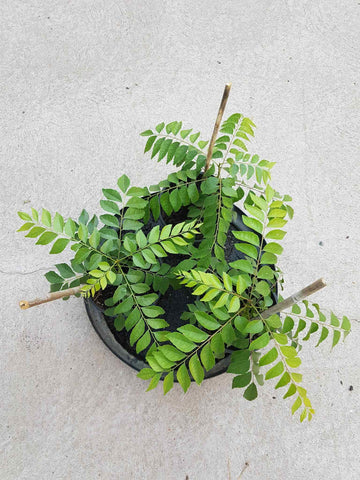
[125, 252]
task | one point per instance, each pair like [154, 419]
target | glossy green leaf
[260, 342]
[59, 245]
[196, 369]
[168, 382]
[183, 377]
[251, 392]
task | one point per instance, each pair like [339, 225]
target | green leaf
[175, 200]
[336, 338]
[137, 331]
[64, 270]
[254, 326]
[53, 277]
[171, 353]
[222, 300]
[293, 362]
[70, 228]
[263, 288]
[252, 223]
[256, 212]
[168, 382]
[234, 305]
[288, 351]
[110, 220]
[207, 321]
[241, 380]
[119, 293]
[243, 265]
[137, 191]
[123, 183]
[268, 258]
[83, 232]
[274, 321]
[248, 237]
[111, 276]
[288, 325]
[143, 342]
[228, 334]
[260, 342]
[296, 309]
[45, 218]
[146, 373]
[217, 345]
[240, 323]
[24, 216]
[81, 255]
[249, 250]
[296, 405]
[275, 371]
[125, 306]
[154, 382]
[193, 333]
[112, 194]
[251, 392]
[110, 206]
[181, 342]
[276, 234]
[25, 226]
[46, 238]
[196, 369]
[94, 239]
[291, 391]
[269, 357]
[284, 380]
[266, 273]
[58, 223]
[35, 232]
[193, 193]
[153, 311]
[194, 137]
[207, 357]
[59, 245]
[183, 377]
[149, 143]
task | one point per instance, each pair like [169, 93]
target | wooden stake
[24, 304]
[217, 124]
[295, 298]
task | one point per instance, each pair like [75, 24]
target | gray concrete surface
[79, 80]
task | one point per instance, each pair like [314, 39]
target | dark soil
[174, 302]
[176, 217]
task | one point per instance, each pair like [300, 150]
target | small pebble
[351, 388]
[321, 244]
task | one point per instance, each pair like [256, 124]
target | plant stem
[217, 124]
[295, 298]
[24, 304]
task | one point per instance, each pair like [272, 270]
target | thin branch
[24, 304]
[217, 124]
[295, 298]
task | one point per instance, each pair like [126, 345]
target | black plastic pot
[174, 302]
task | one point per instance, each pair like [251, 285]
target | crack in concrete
[15, 272]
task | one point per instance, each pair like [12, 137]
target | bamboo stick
[295, 298]
[24, 304]
[217, 124]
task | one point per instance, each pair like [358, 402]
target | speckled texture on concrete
[79, 80]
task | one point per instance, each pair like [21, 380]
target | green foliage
[119, 252]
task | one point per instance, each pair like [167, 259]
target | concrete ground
[79, 80]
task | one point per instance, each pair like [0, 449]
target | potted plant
[180, 282]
